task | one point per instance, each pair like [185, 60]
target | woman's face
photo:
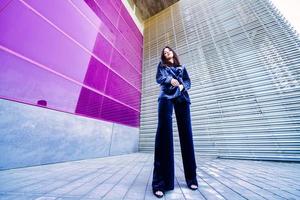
[168, 53]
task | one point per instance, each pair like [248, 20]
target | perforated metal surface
[243, 60]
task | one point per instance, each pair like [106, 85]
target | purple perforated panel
[72, 56]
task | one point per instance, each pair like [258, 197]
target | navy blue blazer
[164, 75]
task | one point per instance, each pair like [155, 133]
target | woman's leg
[163, 172]
[182, 112]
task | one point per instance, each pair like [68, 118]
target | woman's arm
[186, 80]
[160, 76]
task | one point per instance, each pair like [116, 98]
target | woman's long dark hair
[165, 62]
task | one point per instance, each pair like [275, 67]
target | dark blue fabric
[163, 172]
[169, 97]
[164, 75]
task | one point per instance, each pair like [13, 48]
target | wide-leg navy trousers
[163, 172]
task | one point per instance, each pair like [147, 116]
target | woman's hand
[174, 82]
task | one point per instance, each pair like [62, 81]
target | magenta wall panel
[77, 56]
[96, 75]
[24, 81]
[89, 103]
[125, 114]
[130, 22]
[130, 73]
[122, 90]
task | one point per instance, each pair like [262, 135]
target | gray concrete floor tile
[129, 177]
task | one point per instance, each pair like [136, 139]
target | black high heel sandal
[158, 195]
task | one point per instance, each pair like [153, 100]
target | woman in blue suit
[174, 85]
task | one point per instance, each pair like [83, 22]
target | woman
[174, 83]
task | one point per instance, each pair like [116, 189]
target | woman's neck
[171, 60]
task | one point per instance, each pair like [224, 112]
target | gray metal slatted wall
[243, 59]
